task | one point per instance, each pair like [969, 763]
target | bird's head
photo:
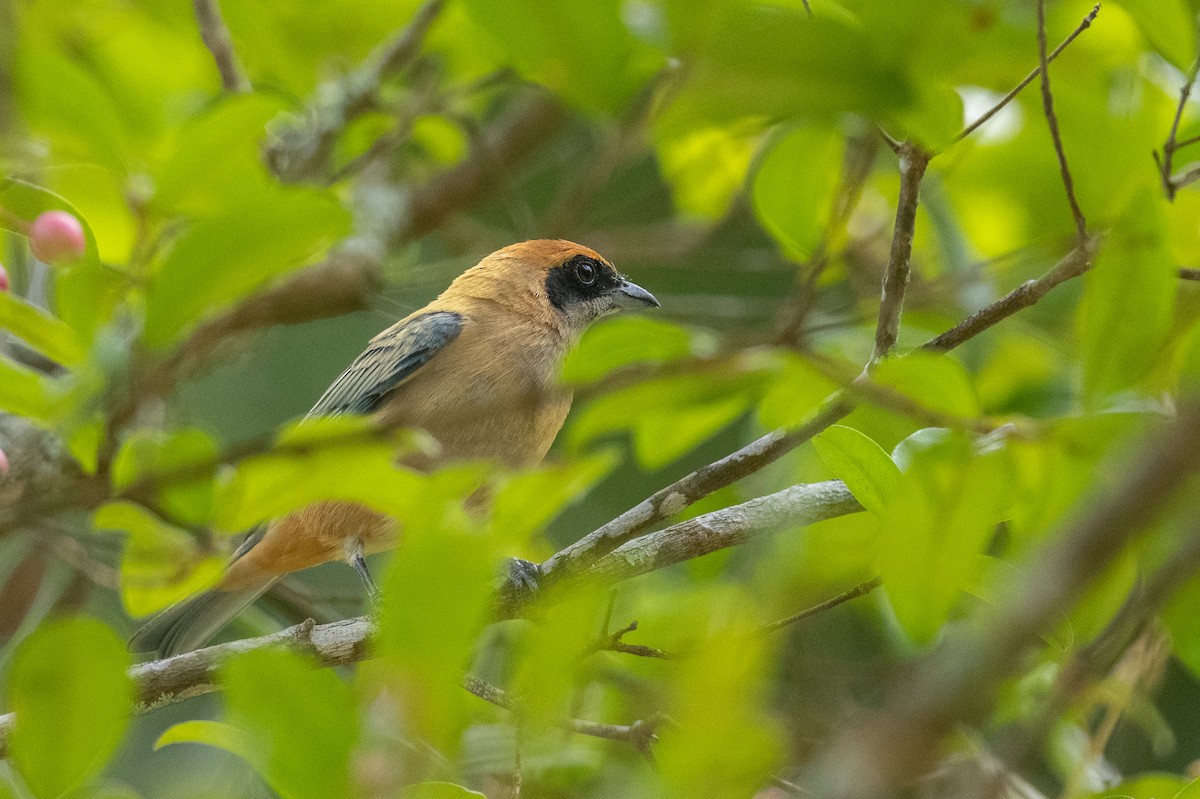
[574, 284]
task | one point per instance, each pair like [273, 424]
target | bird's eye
[585, 272]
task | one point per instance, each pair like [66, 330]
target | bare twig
[1008, 98]
[1186, 273]
[1052, 121]
[862, 589]
[216, 38]
[642, 734]
[1028, 293]
[612, 642]
[1171, 184]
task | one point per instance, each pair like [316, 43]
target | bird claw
[524, 575]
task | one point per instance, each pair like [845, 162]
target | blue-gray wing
[387, 363]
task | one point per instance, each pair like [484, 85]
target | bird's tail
[191, 623]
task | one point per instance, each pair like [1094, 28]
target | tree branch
[862, 589]
[218, 41]
[913, 161]
[1171, 184]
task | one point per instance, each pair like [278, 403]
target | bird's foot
[524, 575]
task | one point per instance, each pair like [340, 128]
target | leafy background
[724, 154]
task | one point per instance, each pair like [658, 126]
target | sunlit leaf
[705, 166]
[936, 524]
[223, 258]
[623, 341]
[862, 465]
[1169, 25]
[72, 700]
[41, 331]
[211, 733]
[161, 564]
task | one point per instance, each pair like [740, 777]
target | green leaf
[26, 202]
[933, 381]
[148, 453]
[750, 60]
[936, 526]
[72, 699]
[524, 503]
[302, 721]
[335, 458]
[49, 336]
[623, 341]
[796, 390]
[438, 597]
[210, 733]
[1144, 786]
[705, 166]
[25, 392]
[542, 39]
[861, 464]
[1170, 27]
[160, 564]
[222, 259]
[1127, 309]
[437, 790]
[1190, 791]
[794, 186]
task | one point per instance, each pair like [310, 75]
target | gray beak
[631, 295]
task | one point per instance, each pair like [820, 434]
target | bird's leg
[356, 557]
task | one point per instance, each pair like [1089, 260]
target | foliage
[729, 155]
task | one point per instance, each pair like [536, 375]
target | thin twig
[1008, 98]
[1052, 121]
[1170, 184]
[862, 589]
[1186, 273]
[611, 642]
[218, 41]
[640, 733]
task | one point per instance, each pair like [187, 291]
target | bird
[476, 369]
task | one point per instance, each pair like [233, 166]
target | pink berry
[3, 278]
[56, 236]
[3, 463]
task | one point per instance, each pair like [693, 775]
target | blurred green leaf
[72, 699]
[794, 186]
[437, 790]
[933, 381]
[211, 733]
[705, 166]
[25, 392]
[796, 390]
[160, 564]
[1145, 786]
[26, 202]
[624, 341]
[41, 331]
[1128, 305]
[545, 39]
[1169, 25]
[146, 454]
[224, 258]
[438, 595]
[342, 458]
[776, 62]
[861, 464]
[301, 720]
[936, 525]
[524, 503]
